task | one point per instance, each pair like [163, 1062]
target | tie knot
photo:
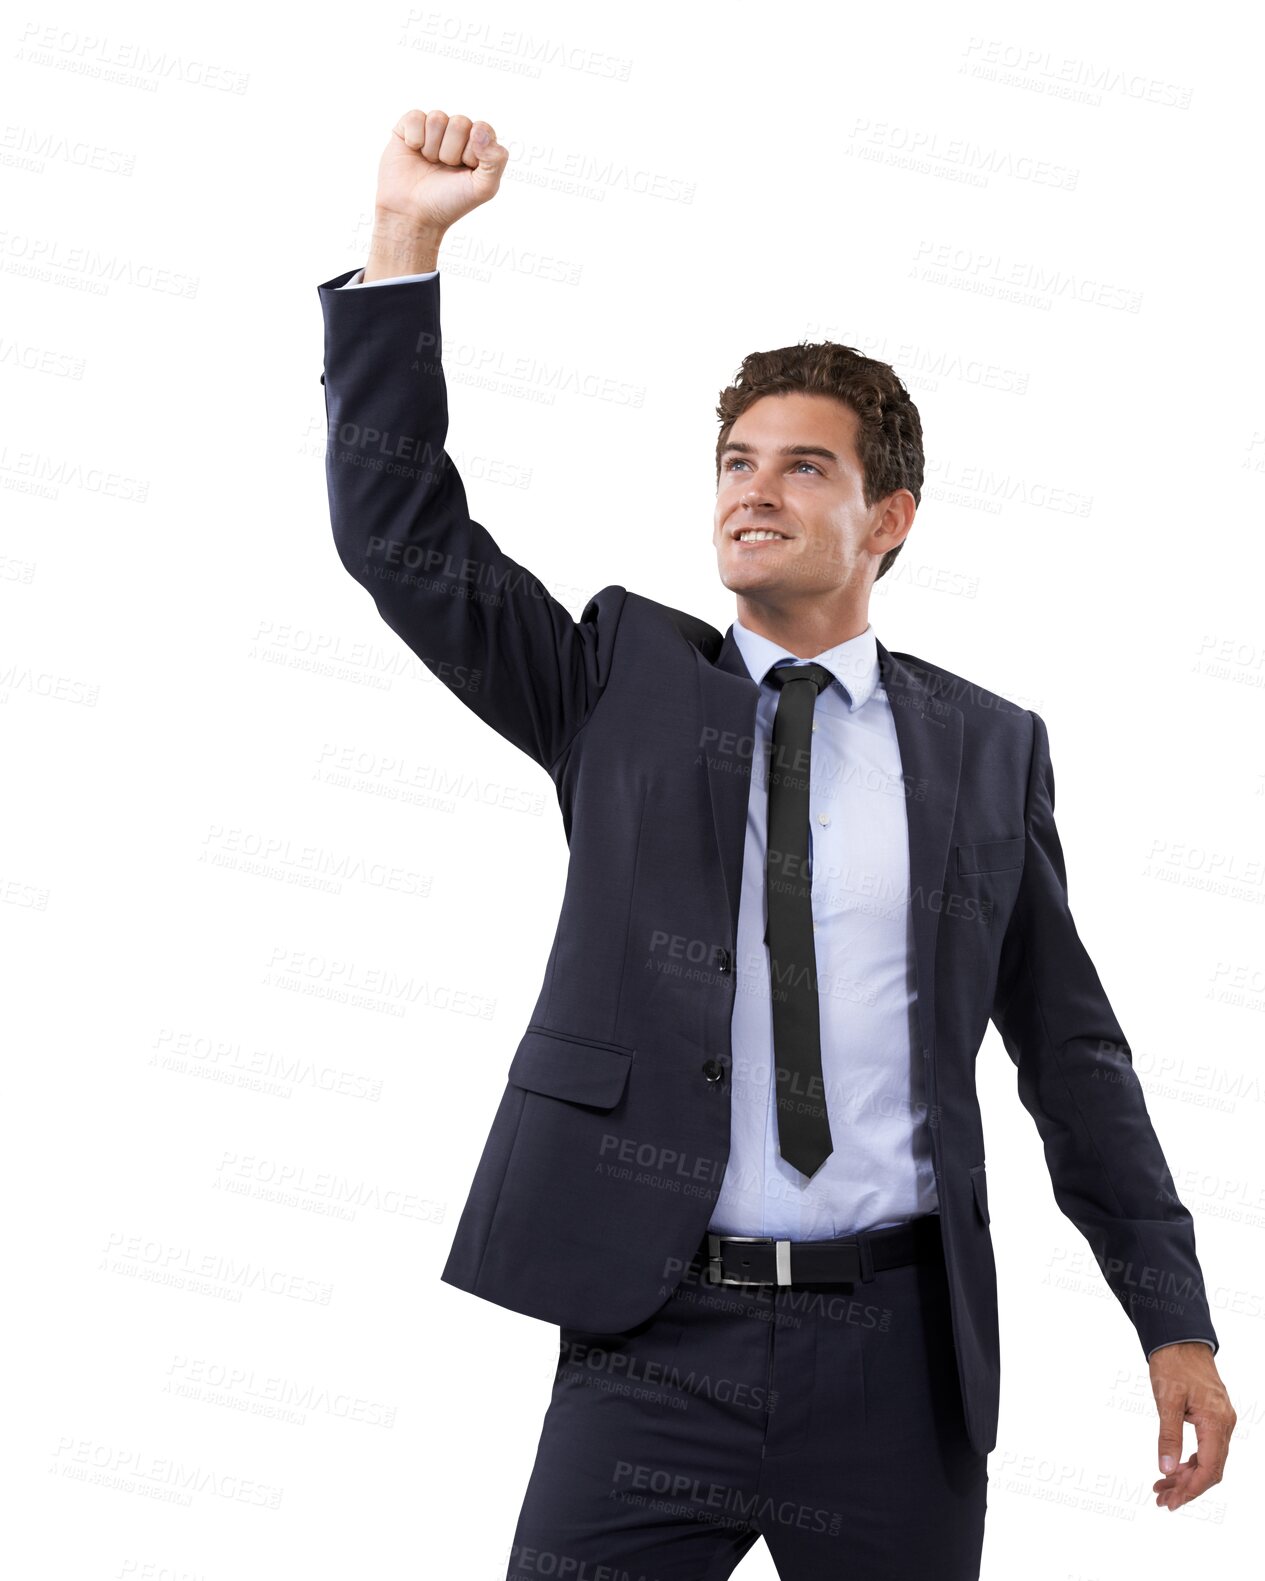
[818, 674]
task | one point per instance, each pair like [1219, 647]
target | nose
[759, 489]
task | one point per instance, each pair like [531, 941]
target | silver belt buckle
[782, 1257]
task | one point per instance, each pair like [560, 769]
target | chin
[752, 587]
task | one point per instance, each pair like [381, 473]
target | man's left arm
[1108, 1171]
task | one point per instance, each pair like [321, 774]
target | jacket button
[713, 1070]
[726, 962]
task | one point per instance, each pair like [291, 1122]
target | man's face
[791, 467]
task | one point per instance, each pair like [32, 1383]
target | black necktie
[802, 1126]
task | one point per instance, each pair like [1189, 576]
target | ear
[896, 517]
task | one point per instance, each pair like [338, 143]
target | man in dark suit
[739, 1158]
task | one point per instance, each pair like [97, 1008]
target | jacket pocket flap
[991, 856]
[563, 1066]
[979, 1183]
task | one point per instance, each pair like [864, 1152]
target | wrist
[401, 246]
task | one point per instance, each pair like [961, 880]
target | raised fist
[435, 169]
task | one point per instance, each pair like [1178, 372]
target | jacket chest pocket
[990, 856]
[579, 1070]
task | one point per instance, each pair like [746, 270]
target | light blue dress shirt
[880, 1172]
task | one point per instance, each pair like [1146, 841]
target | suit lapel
[727, 699]
[929, 734]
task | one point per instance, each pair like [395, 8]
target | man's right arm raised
[480, 621]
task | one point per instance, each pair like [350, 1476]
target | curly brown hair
[889, 430]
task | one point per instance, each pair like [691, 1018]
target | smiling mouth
[759, 535]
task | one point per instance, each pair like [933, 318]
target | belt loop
[866, 1257]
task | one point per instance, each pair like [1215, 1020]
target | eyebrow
[786, 450]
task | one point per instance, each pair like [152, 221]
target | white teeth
[758, 535]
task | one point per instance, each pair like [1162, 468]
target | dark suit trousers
[826, 1419]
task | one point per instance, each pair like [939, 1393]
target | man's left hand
[1188, 1388]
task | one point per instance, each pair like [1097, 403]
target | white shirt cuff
[397, 279]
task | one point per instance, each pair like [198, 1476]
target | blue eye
[739, 461]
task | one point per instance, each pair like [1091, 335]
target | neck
[809, 628]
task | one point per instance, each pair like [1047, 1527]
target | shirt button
[823, 818]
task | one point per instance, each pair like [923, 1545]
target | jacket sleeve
[480, 622]
[1076, 1080]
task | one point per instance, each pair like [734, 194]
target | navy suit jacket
[606, 1153]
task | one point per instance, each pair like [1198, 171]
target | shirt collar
[853, 663]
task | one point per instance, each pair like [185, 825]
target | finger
[473, 149]
[1172, 1409]
[454, 140]
[1168, 1488]
[1212, 1445]
[1207, 1464]
[411, 128]
[488, 171]
[436, 126]
[1176, 1479]
[1189, 1481]
[407, 128]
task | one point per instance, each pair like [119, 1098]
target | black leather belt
[764, 1260]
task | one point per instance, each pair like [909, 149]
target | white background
[184, 663]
